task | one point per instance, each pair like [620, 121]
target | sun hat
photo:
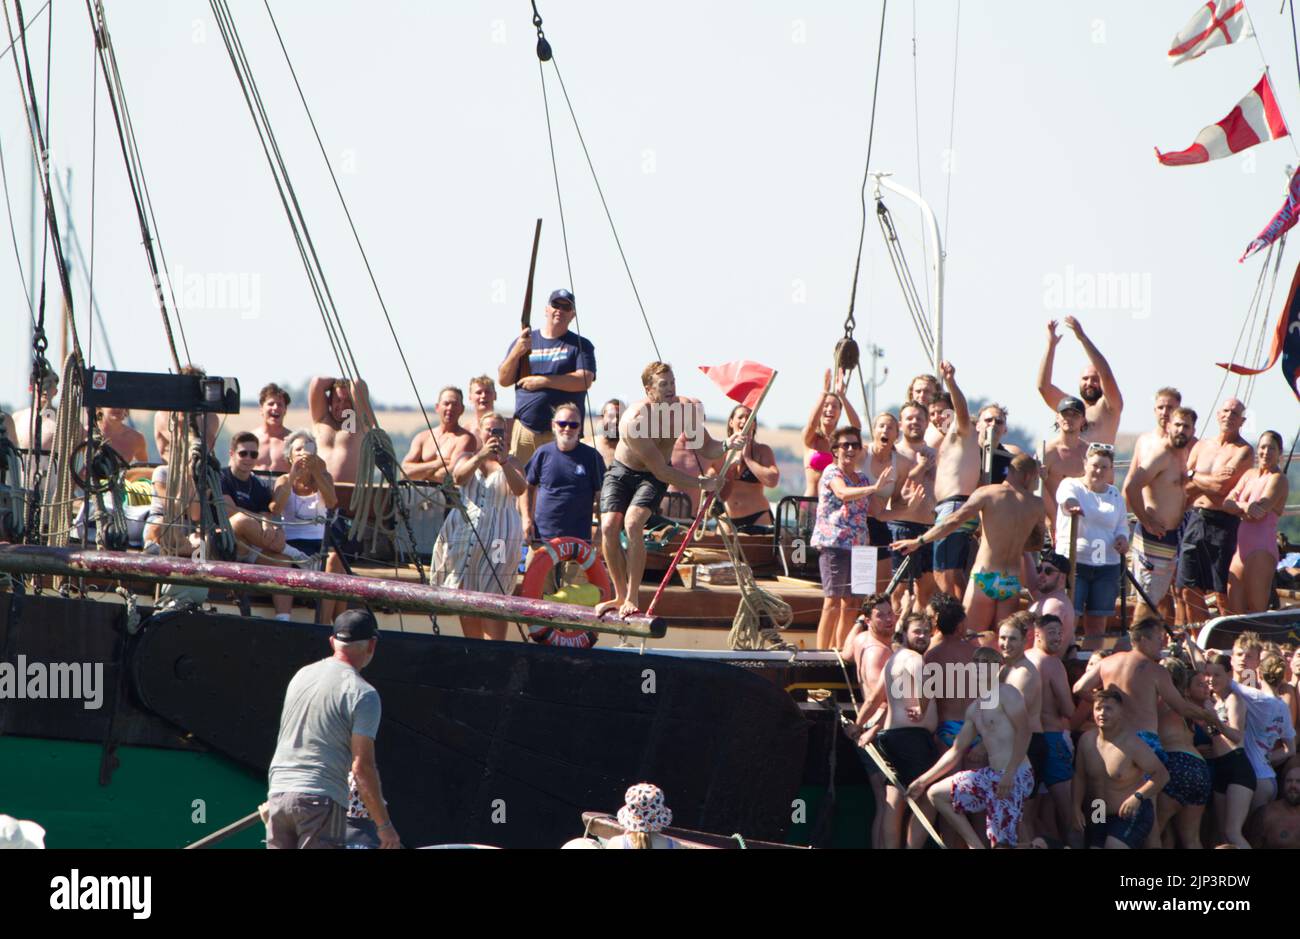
[645, 809]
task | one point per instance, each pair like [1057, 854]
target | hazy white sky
[729, 137]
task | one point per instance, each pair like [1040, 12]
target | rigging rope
[903, 272]
[1251, 313]
[916, 123]
[950, 165]
[1262, 315]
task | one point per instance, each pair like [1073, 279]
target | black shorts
[877, 532]
[626, 487]
[923, 560]
[910, 750]
[1232, 769]
[1209, 542]
[1131, 831]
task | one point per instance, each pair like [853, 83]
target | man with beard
[1155, 494]
[907, 739]
[1168, 400]
[912, 507]
[607, 430]
[273, 402]
[1215, 464]
[1064, 455]
[1050, 597]
[1097, 385]
[1277, 825]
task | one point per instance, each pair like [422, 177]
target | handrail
[67, 562]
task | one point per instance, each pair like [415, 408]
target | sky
[729, 138]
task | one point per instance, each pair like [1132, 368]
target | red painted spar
[68, 562]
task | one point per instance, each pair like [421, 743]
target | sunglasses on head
[247, 454]
[568, 425]
[1100, 448]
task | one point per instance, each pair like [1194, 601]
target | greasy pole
[37, 559]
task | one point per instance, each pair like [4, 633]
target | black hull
[495, 743]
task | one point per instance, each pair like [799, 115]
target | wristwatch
[1139, 796]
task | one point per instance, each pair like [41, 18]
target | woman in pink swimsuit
[1258, 500]
[822, 422]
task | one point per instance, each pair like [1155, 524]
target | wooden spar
[37, 559]
[525, 319]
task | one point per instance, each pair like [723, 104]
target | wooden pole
[113, 565]
[221, 834]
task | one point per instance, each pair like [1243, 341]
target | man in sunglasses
[1097, 385]
[247, 497]
[564, 478]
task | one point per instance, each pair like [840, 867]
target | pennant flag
[742, 381]
[1286, 342]
[1255, 119]
[1282, 222]
[1217, 23]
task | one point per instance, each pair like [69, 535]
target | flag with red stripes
[1255, 119]
[1216, 23]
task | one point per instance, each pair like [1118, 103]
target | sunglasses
[562, 307]
[568, 425]
[247, 454]
[1100, 448]
[847, 446]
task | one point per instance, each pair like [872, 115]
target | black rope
[849, 321]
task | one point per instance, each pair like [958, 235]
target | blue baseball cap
[562, 296]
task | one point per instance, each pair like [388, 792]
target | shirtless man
[1215, 464]
[483, 399]
[128, 442]
[1064, 454]
[640, 474]
[950, 646]
[433, 456]
[23, 420]
[999, 789]
[957, 475]
[607, 429]
[1054, 817]
[1168, 400]
[273, 402]
[1010, 516]
[340, 413]
[995, 456]
[1048, 591]
[912, 506]
[1119, 774]
[940, 414]
[1155, 493]
[907, 737]
[1019, 671]
[162, 421]
[1097, 385]
[1277, 825]
[869, 645]
[1139, 676]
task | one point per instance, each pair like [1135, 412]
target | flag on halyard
[1286, 342]
[1255, 119]
[742, 381]
[1282, 222]
[1216, 23]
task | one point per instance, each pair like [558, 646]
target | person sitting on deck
[823, 421]
[301, 498]
[564, 480]
[272, 435]
[478, 547]
[162, 422]
[560, 366]
[743, 492]
[126, 441]
[643, 818]
[636, 482]
[247, 497]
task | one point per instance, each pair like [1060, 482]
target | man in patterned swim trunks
[1121, 776]
[1010, 517]
[999, 789]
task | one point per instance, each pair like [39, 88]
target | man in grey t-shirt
[328, 726]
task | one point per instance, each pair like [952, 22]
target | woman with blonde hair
[643, 818]
[823, 421]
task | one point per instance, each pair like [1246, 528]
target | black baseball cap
[1057, 561]
[562, 296]
[355, 625]
[1069, 403]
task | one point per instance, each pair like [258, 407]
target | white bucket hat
[645, 809]
[16, 834]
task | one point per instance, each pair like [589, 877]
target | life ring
[541, 564]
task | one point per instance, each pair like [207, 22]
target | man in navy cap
[328, 727]
[1064, 454]
[547, 368]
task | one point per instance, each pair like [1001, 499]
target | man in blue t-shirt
[547, 368]
[248, 497]
[564, 478]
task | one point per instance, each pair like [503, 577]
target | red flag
[742, 381]
[1288, 328]
[1255, 119]
[1216, 23]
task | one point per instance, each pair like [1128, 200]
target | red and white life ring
[542, 562]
